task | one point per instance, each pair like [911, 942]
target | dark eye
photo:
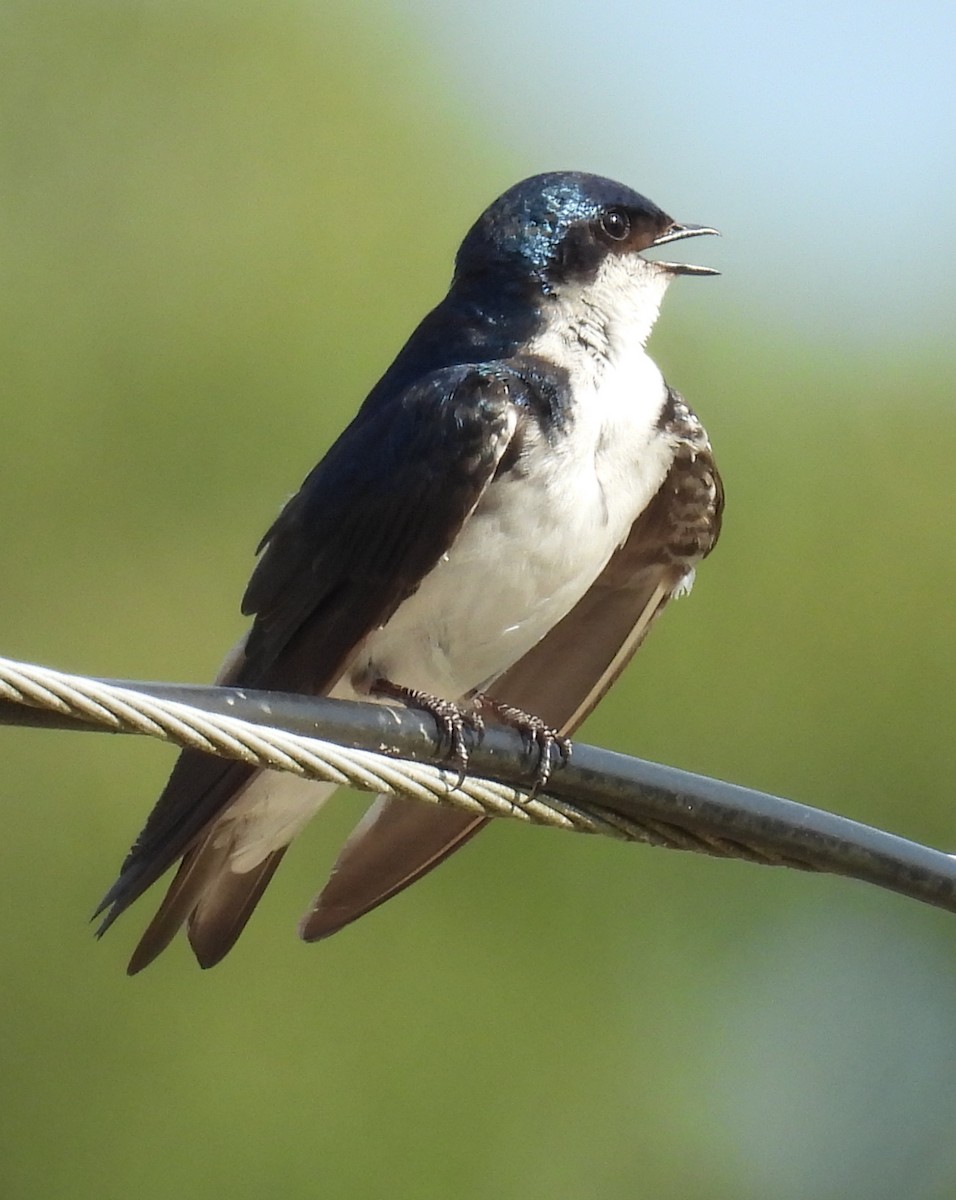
[616, 223]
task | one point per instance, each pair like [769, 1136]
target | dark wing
[561, 679]
[370, 522]
[366, 526]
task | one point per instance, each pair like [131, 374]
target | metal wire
[123, 710]
[382, 748]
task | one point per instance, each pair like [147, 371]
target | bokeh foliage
[218, 223]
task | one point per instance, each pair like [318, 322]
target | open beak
[677, 233]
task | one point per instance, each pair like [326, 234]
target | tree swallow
[512, 506]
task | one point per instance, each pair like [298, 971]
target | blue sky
[820, 138]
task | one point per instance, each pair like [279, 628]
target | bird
[509, 511]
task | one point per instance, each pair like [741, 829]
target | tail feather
[225, 906]
[213, 901]
[226, 870]
[395, 843]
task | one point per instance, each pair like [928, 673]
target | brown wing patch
[682, 523]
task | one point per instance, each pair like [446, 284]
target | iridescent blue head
[559, 227]
[560, 252]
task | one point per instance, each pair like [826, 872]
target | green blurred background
[218, 223]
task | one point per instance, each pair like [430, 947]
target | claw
[452, 721]
[535, 731]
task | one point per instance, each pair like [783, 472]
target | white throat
[597, 324]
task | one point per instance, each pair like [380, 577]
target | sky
[819, 137]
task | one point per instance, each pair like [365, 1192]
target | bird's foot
[534, 730]
[452, 721]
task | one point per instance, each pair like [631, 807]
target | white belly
[537, 541]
